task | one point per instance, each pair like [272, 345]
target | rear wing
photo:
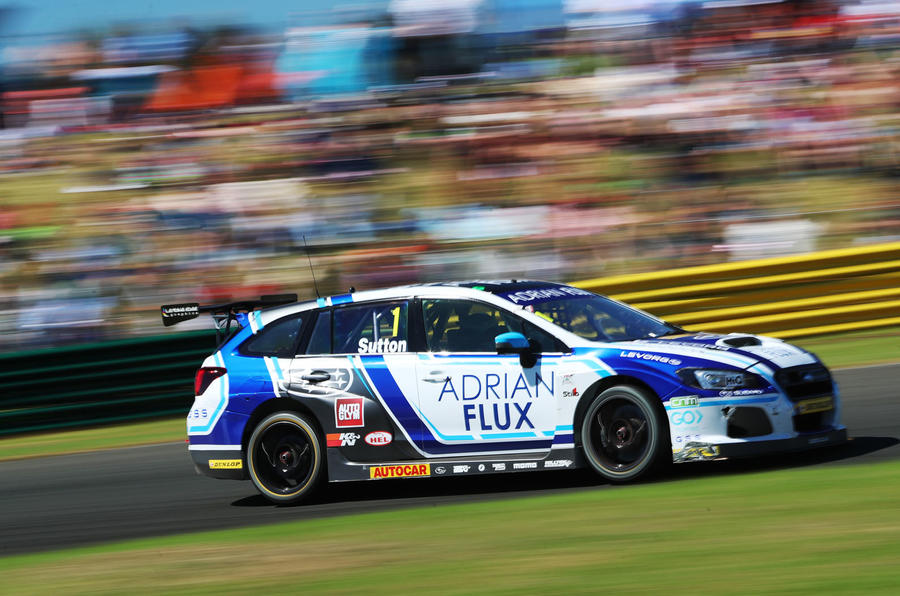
[222, 314]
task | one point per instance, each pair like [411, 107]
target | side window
[278, 338]
[320, 340]
[371, 328]
[466, 326]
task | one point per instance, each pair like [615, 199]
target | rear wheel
[624, 434]
[284, 456]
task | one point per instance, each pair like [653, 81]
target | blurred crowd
[432, 141]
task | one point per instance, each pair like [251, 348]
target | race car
[485, 377]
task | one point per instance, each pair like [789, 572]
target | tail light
[205, 376]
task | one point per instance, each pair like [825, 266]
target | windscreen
[590, 316]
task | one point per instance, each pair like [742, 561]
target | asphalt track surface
[65, 501]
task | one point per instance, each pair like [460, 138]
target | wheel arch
[279, 405]
[601, 386]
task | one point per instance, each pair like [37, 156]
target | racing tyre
[624, 434]
[285, 458]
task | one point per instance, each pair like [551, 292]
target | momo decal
[348, 412]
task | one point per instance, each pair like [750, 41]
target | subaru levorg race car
[486, 377]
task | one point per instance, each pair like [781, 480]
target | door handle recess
[316, 376]
[436, 376]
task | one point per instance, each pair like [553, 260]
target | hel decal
[379, 437]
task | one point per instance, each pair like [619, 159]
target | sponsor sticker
[531, 465]
[686, 417]
[543, 294]
[404, 471]
[378, 438]
[341, 439]
[558, 463]
[226, 464]
[460, 469]
[651, 357]
[499, 467]
[439, 470]
[686, 401]
[810, 406]
[348, 412]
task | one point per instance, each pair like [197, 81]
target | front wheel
[624, 434]
[284, 456]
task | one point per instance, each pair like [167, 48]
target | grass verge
[92, 439]
[824, 529]
[858, 348]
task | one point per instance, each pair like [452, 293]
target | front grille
[808, 380]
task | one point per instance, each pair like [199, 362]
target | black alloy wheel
[624, 434]
[285, 457]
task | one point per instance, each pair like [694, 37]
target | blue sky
[56, 16]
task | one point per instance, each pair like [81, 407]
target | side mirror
[511, 343]
[516, 343]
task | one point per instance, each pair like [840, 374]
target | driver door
[474, 399]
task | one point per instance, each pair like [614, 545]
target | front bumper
[803, 442]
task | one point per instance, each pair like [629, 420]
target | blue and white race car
[487, 377]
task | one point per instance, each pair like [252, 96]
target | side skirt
[341, 469]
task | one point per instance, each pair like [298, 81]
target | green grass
[847, 349]
[876, 346]
[92, 439]
[826, 529]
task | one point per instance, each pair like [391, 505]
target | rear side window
[371, 328]
[320, 340]
[278, 338]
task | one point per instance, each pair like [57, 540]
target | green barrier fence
[99, 383]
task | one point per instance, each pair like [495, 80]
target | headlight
[703, 378]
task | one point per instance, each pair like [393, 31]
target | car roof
[468, 288]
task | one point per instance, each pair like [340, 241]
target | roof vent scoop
[739, 341]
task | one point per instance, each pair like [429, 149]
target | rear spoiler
[223, 314]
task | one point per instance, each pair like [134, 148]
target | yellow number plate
[810, 406]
